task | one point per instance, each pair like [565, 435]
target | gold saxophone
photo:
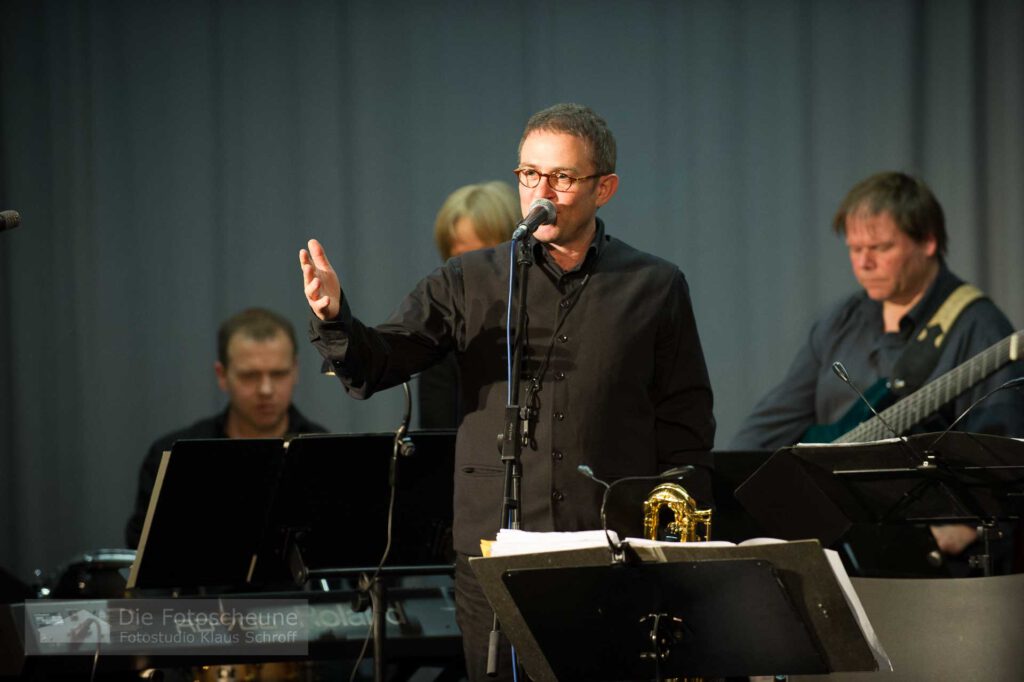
[688, 524]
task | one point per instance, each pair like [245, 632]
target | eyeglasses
[558, 181]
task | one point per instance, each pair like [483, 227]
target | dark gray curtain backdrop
[170, 158]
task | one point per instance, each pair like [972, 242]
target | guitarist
[895, 233]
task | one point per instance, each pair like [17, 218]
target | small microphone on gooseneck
[844, 376]
[616, 547]
[402, 444]
[1012, 383]
[674, 473]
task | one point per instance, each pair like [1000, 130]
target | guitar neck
[927, 400]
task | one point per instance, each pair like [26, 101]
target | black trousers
[475, 617]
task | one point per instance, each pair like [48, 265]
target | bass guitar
[858, 425]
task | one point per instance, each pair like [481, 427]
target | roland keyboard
[64, 636]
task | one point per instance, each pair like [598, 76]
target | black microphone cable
[404, 446]
[1012, 383]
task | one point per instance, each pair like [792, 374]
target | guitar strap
[918, 360]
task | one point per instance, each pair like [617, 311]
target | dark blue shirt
[853, 333]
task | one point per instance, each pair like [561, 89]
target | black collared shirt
[853, 333]
[612, 345]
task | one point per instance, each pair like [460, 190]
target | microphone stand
[517, 425]
[516, 416]
[371, 589]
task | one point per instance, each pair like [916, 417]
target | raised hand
[320, 282]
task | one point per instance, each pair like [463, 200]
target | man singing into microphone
[896, 236]
[613, 372]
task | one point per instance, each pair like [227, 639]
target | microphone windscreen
[11, 219]
[840, 371]
[549, 209]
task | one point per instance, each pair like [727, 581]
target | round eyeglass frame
[553, 178]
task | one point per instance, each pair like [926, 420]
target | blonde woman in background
[476, 217]
[473, 217]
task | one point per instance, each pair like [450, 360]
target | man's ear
[222, 375]
[607, 185]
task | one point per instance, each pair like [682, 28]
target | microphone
[618, 554]
[542, 212]
[11, 219]
[1012, 383]
[844, 376]
[934, 558]
[402, 443]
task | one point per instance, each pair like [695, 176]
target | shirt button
[559, 375]
[559, 416]
[563, 338]
[564, 303]
[556, 454]
[557, 495]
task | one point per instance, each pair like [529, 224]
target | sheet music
[853, 601]
[511, 542]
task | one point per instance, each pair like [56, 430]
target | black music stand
[207, 514]
[731, 468]
[675, 611]
[330, 516]
[227, 514]
[331, 506]
[835, 493]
